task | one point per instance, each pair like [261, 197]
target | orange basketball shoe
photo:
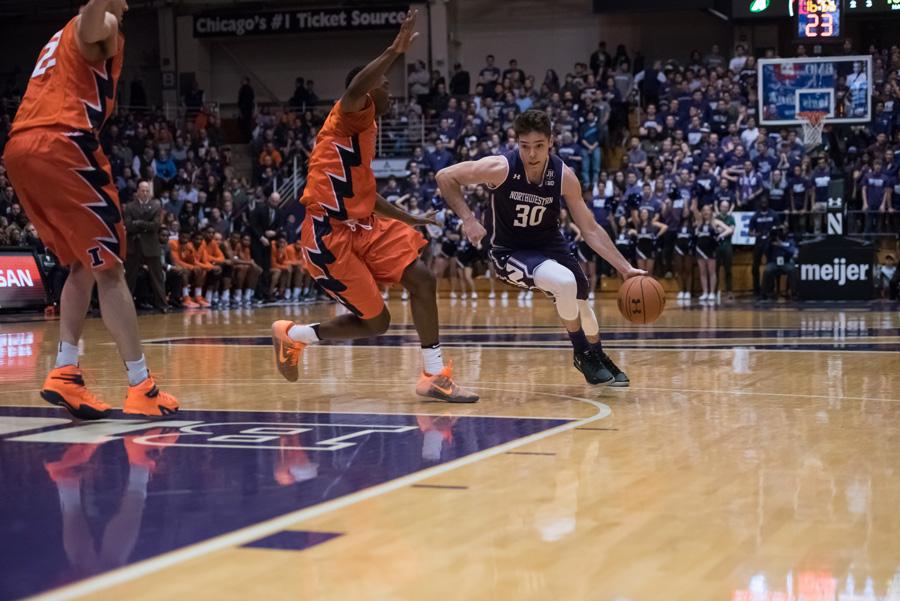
[287, 350]
[148, 400]
[441, 387]
[64, 386]
[201, 302]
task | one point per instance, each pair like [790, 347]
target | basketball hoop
[812, 122]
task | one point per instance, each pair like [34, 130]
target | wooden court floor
[756, 456]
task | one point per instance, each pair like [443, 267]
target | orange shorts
[65, 185]
[349, 262]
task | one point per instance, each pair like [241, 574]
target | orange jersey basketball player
[353, 239]
[64, 181]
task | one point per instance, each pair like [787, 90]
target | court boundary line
[449, 413]
[561, 347]
[268, 527]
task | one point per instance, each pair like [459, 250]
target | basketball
[641, 299]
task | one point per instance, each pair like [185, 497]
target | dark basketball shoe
[620, 380]
[592, 367]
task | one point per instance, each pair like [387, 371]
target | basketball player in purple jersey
[527, 187]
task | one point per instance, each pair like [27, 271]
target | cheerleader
[448, 244]
[682, 260]
[648, 232]
[708, 233]
[625, 238]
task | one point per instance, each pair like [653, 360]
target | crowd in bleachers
[666, 152]
[673, 139]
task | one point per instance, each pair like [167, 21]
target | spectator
[246, 106]
[600, 60]
[165, 170]
[438, 158]
[515, 75]
[589, 133]
[738, 60]
[489, 76]
[418, 80]
[876, 195]
[460, 82]
[650, 82]
[299, 98]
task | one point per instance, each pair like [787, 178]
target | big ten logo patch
[277, 436]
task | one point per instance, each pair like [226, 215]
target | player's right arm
[97, 29]
[491, 171]
[372, 75]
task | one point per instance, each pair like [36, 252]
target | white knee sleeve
[559, 281]
[588, 318]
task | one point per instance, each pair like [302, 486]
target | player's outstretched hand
[407, 34]
[474, 231]
[632, 272]
[426, 219]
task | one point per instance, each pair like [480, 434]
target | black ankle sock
[579, 341]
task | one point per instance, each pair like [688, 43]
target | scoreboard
[864, 7]
[818, 20]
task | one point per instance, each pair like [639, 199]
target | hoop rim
[812, 118]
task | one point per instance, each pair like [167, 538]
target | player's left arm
[97, 28]
[386, 209]
[592, 233]
[372, 75]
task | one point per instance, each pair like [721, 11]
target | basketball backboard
[838, 85]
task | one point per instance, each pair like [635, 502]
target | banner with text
[21, 285]
[250, 23]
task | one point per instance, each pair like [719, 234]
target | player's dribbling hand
[473, 230]
[407, 33]
[632, 272]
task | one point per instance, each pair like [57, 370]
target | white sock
[67, 354]
[433, 359]
[209, 297]
[304, 334]
[297, 293]
[215, 297]
[288, 295]
[137, 371]
[187, 291]
[198, 292]
[248, 294]
[226, 296]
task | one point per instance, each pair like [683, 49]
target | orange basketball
[641, 299]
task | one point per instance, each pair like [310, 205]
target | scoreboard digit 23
[818, 20]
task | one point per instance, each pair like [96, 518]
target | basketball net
[812, 122]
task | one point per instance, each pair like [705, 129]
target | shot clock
[818, 20]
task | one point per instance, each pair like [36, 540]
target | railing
[290, 186]
[172, 112]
